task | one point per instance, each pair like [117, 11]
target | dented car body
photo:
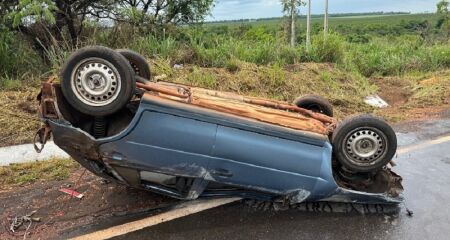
[201, 145]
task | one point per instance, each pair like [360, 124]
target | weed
[25, 173]
[232, 65]
[7, 83]
[202, 78]
[160, 66]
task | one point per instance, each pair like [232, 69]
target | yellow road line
[423, 145]
[181, 211]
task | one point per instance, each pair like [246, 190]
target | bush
[327, 49]
[17, 58]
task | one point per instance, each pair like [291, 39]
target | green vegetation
[25, 173]
[370, 46]
[18, 60]
[251, 58]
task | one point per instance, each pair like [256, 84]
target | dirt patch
[395, 91]
[415, 98]
[60, 212]
[399, 114]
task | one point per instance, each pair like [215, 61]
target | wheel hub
[96, 82]
[365, 146]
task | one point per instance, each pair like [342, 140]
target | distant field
[344, 20]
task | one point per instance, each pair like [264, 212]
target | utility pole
[325, 21]
[293, 15]
[308, 27]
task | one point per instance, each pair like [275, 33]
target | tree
[142, 13]
[290, 7]
[55, 16]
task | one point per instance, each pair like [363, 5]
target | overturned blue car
[188, 142]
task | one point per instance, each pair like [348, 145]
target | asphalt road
[425, 168]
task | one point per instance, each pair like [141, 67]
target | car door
[166, 143]
[263, 162]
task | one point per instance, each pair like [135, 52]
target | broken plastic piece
[72, 193]
[376, 101]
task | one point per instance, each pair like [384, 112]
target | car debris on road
[17, 222]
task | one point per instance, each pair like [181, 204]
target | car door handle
[222, 173]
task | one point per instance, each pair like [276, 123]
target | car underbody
[121, 147]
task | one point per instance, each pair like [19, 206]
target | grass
[396, 56]
[344, 89]
[337, 21]
[26, 173]
[369, 45]
[18, 115]
[431, 90]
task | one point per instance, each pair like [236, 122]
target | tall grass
[397, 56]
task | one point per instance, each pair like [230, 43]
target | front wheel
[364, 143]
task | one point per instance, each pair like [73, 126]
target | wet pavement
[426, 173]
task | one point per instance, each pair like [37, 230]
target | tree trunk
[71, 26]
[308, 27]
[293, 8]
[325, 21]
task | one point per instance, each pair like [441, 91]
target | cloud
[238, 9]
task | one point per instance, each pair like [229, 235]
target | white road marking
[182, 210]
[423, 145]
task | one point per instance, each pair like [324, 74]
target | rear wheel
[364, 143]
[137, 62]
[315, 103]
[97, 81]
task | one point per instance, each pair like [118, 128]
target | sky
[245, 9]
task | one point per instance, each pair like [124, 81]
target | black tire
[315, 103]
[364, 143]
[97, 81]
[137, 62]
